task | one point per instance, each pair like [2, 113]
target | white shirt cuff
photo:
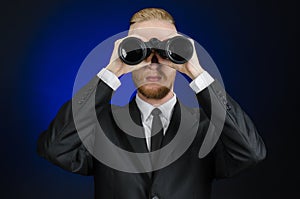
[109, 78]
[201, 82]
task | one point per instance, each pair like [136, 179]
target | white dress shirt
[198, 84]
[165, 116]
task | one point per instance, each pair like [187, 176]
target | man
[188, 176]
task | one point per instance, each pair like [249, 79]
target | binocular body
[133, 50]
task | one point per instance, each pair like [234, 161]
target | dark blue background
[45, 42]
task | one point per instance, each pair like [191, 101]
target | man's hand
[192, 68]
[118, 67]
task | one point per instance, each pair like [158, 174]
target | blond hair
[150, 14]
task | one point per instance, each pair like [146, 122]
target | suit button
[155, 197]
[228, 107]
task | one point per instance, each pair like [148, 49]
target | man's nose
[154, 59]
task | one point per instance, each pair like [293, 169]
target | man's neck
[156, 102]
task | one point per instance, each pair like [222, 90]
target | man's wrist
[117, 73]
[115, 69]
[196, 73]
[109, 78]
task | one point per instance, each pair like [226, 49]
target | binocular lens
[132, 51]
[179, 50]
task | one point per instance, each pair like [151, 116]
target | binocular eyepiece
[133, 50]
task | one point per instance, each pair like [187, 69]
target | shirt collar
[147, 108]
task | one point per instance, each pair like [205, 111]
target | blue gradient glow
[66, 36]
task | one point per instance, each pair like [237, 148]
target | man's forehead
[148, 33]
[153, 29]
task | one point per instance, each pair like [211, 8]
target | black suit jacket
[238, 147]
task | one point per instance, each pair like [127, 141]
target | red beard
[154, 93]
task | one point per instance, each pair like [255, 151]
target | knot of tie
[156, 112]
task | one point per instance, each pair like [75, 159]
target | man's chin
[154, 91]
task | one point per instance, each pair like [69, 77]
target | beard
[154, 93]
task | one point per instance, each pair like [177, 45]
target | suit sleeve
[239, 145]
[61, 143]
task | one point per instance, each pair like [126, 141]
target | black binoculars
[133, 50]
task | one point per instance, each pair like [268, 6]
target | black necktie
[156, 130]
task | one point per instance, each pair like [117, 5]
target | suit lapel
[173, 125]
[139, 144]
[128, 119]
[180, 112]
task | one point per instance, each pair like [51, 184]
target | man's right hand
[118, 67]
